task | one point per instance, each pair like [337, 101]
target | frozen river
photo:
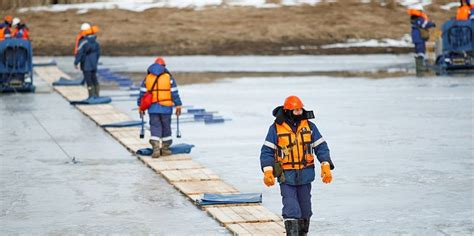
[299, 63]
[403, 150]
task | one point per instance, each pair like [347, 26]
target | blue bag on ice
[67, 82]
[92, 101]
[175, 149]
[130, 123]
[240, 198]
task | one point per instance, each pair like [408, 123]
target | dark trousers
[296, 201]
[160, 127]
[91, 78]
[420, 49]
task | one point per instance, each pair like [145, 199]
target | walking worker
[420, 24]
[164, 90]
[288, 153]
[88, 53]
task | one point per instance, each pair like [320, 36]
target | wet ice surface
[403, 148]
[107, 192]
[296, 63]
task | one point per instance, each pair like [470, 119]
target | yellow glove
[326, 173]
[268, 178]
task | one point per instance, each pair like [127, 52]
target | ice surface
[298, 63]
[403, 148]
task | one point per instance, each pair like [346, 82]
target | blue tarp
[67, 82]
[124, 124]
[92, 101]
[175, 149]
[216, 199]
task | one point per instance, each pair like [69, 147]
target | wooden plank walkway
[186, 175]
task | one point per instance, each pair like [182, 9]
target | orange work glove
[268, 178]
[326, 173]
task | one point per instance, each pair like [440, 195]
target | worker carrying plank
[158, 95]
[288, 154]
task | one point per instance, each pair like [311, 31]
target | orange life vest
[5, 32]
[463, 13]
[162, 89]
[93, 30]
[294, 150]
[413, 12]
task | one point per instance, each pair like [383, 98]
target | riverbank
[230, 30]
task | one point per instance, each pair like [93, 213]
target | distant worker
[420, 24]
[88, 53]
[5, 28]
[19, 29]
[161, 84]
[288, 153]
[464, 11]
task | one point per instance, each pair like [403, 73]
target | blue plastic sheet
[92, 101]
[241, 198]
[175, 149]
[214, 120]
[124, 124]
[66, 82]
[196, 110]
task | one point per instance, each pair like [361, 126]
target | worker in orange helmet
[5, 28]
[164, 89]
[464, 11]
[288, 153]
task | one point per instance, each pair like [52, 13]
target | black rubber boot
[96, 90]
[155, 144]
[292, 227]
[420, 66]
[90, 91]
[304, 226]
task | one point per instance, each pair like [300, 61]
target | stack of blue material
[107, 75]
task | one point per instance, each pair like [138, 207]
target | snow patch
[407, 3]
[450, 5]
[404, 42]
[142, 5]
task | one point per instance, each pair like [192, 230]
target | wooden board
[50, 73]
[242, 214]
[175, 157]
[72, 93]
[189, 175]
[266, 228]
[174, 165]
[201, 187]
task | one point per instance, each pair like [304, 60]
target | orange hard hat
[160, 61]
[8, 19]
[292, 103]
